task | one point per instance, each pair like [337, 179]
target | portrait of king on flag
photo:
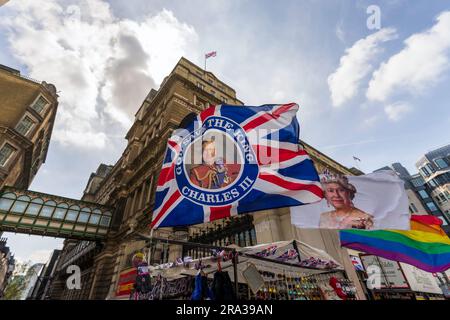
[232, 160]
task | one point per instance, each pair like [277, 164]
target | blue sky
[380, 95]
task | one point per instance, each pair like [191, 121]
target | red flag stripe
[426, 219]
[174, 145]
[219, 212]
[266, 155]
[173, 198]
[207, 113]
[166, 175]
[275, 114]
[289, 185]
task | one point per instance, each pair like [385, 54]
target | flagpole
[356, 163]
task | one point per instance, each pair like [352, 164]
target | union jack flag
[210, 54]
[274, 170]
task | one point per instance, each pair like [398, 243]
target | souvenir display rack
[288, 285]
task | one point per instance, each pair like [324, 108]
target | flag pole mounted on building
[209, 55]
[356, 159]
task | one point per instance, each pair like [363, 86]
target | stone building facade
[434, 167]
[7, 264]
[27, 114]
[129, 187]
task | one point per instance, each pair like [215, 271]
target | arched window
[48, 208]
[21, 204]
[6, 201]
[72, 213]
[84, 215]
[34, 207]
[60, 211]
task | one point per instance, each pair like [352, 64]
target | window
[40, 104]
[423, 194]
[432, 206]
[94, 219]
[441, 163]
[413, 207]
[83, 217]
[432, 183]
[417, 182]
[5, 153]
[25, 125]
[60, 211]
[21, 204]
[34, 207]
[430, 167]
[201, 86]
[425, 171]
[105, 221]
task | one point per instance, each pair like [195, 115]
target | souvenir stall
[292, 270]
[286, 270]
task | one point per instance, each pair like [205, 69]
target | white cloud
[355, 65]
[340, 32]
[102, 65]
[416, 67]
[397, 111]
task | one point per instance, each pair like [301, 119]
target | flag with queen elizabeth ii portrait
[232, 160]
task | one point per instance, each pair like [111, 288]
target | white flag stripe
[289, 179]
[286, 164]
[257, 115]
[260, 141]
[276, 123]
[206, 213]
[303, 196]
[217, 110]
[172, 189]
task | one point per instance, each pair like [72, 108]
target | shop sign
[421, 281]
[389, 270]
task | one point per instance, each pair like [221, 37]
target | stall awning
[294, 253]
[270, 262]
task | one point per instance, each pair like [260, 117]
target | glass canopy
[43, 214]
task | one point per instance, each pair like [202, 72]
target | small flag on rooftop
[210, 54]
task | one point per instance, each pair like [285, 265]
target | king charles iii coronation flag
[231, 160]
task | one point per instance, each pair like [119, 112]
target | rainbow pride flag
[427, 223]
[429, 251]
